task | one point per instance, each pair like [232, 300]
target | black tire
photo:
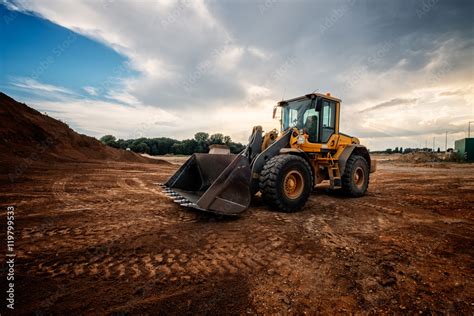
[286, 183]
[355, 179]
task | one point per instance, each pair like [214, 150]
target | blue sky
[37, 49]
[404, 70]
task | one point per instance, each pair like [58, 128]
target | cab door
[328, 120]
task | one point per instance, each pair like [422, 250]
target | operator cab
[316, 114]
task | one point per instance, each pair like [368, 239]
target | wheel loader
[284, 166]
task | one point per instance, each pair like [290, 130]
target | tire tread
[268, 180]
[347, 187]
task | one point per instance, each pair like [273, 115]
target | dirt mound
[27, 136]
[420, 157]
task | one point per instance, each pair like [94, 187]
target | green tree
[202, 140]
[217, 138]
[189, 146]
[201, 137]
[177, 149]
[141, 147]
[236, 148]
[122, 144]
[164, 145]
[108, 139]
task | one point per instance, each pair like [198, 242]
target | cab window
[311, 119]
[328, 120]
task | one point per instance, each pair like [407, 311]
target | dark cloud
[451, 93]
[414, 131]
[356, 49]
[390, 103]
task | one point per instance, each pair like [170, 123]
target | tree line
[402, 150]
[164, 145]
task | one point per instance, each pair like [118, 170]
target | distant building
[465, 148]
[219, 149]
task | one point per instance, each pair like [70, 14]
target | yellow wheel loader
[283, 166]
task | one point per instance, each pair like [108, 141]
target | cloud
[220, 66]
[390, 103]
[459, 92]
[412, 126]
[259, 53]
[97, 118]
[34, 85]
[123, 97]
[450, 93]
[90, 90]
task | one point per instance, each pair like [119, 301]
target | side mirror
[274, 111]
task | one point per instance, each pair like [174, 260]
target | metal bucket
[211, 182]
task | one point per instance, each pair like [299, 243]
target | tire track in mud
[109, 228]
[93, 194]
[100, 231]
[77, 201]
[139, 187]
[59, 191]
[223, 253]
[98, 199]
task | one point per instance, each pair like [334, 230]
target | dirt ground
[97, 238]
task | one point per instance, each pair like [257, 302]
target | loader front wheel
[285, 182]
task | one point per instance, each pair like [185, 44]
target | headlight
[300, 140]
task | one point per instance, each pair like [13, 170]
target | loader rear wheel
[356, 176]
[285, 182]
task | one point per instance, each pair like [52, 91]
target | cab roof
[309, 96]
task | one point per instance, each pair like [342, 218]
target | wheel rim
[293, 184]
[359, 177]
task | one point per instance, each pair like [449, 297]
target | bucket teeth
[177, 198]
[188, 204]
[170, 193]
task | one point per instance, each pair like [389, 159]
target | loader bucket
[211, 182]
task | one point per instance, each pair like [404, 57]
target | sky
[403, 69]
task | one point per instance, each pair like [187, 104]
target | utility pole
[433, 143]
[446, 143]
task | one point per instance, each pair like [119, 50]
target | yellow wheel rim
[293, 184]
[359, 177]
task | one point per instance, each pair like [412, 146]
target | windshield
[295, 113]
